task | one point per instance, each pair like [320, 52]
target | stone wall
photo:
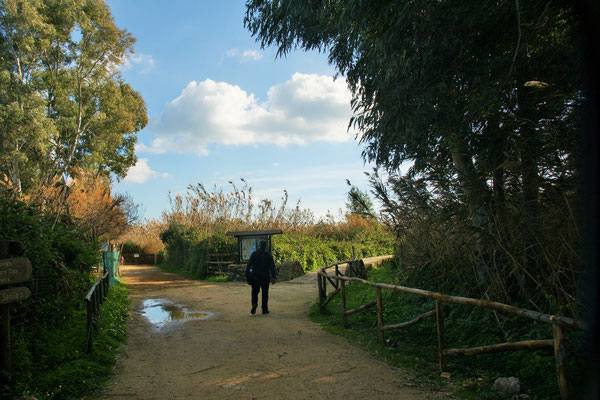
[360, 267]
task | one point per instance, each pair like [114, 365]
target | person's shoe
[265, 311]
[253, 311]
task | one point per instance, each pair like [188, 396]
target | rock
[288, 270]
[445, 375]
[508, 385]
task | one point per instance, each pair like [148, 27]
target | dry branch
[409, 323]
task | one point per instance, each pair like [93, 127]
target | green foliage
[187, 247]
[49, 328]
[63, 102]
[51, 362]
[61, 261]
[359, 202]
[214, 278]
[131, 248]
[322, 247]
[415, 348]
[485, 116]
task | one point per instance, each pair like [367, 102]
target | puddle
[160, 312]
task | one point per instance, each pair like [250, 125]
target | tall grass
[196, 224]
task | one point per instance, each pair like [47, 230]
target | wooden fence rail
[338, 281]
[94, 299]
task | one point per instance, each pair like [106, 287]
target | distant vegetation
[197, 222]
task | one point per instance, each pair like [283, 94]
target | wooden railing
[94, 299]
[217, 263]
[338, 281]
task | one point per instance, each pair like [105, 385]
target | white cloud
[145, 62]
[244, 56]
[251, 55]
[141, 172]
[304, 109]
[232, 52]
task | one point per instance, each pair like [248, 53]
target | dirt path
[232, 354]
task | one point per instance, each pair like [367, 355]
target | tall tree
[482, 94]
[63, 101]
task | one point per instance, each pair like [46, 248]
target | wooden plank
[409, 323]
[98, 282]
[560, 357]
[497, 348]
[14, 294]
[344, 317]
[14, 270]
[219, 262]
[321, 299]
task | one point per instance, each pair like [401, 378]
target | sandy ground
[232, 354]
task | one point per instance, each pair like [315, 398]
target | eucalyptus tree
[481, 97]
[63, 102]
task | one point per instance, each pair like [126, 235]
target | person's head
[262, 245]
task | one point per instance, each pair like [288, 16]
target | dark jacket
[261, 267]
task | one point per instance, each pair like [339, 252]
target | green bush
[61, 257]
[187, 246]
[52, 362]
[49, 327]
[130, 247]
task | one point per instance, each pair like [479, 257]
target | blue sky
[221, 109]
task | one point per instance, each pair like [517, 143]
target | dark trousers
[257, 286]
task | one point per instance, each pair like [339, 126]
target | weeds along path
[232, 354]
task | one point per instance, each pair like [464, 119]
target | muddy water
[161, 312]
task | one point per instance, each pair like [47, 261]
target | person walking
[260, 271]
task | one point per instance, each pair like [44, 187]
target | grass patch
[415, 348]
[51, 363]
[217, 278]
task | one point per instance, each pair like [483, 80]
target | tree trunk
[475, 192]
[529, 149]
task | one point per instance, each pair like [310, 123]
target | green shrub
[188, 246]
[52, 361]
[131, 248]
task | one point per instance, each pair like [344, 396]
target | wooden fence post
[320, 287]
[560, 358]
[439, 313]
[380, 316]
[344, 317]
[90, 325]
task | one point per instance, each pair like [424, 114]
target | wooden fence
[216, 263]
[338, 281]
[94, 299]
